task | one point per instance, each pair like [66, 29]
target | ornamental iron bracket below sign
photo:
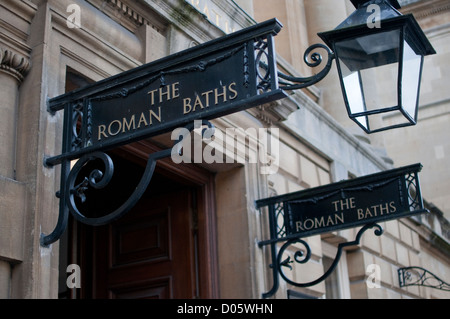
[364, 201]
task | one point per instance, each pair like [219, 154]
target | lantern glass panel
[369, 66]
[411, 73]
[354, 93]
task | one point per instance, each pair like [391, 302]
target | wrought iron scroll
[263, 73]
[418, 276]
[303, 255]
[413, 189]
[312, 59]
[98, 179]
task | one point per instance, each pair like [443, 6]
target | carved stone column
[13, 68]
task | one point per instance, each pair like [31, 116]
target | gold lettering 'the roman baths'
[345, 203]
[216, 96]
[136, 121]
[376, 210]
[165, 93]
[319, 222]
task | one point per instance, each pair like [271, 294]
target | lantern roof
[358, 3]
[357, 25]
[387, 10]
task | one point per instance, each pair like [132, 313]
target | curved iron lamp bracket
[313, 59]
[302, 256]
[418, 276]
[73, 191]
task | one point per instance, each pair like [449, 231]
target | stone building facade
[206, 212]
[430, 145]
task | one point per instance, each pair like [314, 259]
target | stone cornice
[423, 9]
[275, 112]
[14, 64]
[130, 14]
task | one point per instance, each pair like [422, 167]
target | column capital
[14, 64]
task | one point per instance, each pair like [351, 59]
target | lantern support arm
[313, 59]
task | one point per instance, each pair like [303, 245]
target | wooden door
[150, 252]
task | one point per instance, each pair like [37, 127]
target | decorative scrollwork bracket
[302, 256]
[99, 179]
[312, 59]
[418, 276]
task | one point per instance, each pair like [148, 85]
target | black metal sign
[348, 207]
[204, 88]
[363, 201]
[370, 199]
[214, 79]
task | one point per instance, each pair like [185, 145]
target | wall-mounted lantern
[386, 53]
